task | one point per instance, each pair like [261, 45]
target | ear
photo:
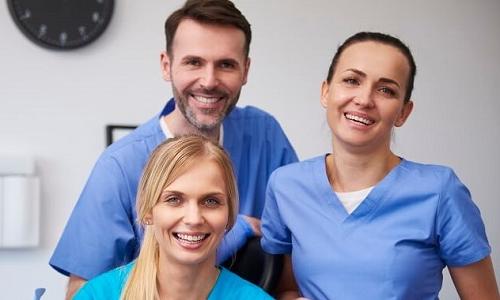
[405, 113]
[148, 219]
[165, 65]
[247, 67]
[325, 90]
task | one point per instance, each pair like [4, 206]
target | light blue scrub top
[102, 232]
[395, 244]
[109, 286]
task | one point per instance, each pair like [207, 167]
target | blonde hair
[166, 163]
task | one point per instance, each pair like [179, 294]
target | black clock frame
[72, 33]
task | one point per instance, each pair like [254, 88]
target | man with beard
[206, 61]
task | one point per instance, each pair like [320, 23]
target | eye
[350, 81]
[388, 91]
[227, 65]
[193, 62]
[173, 200]
[212, 202]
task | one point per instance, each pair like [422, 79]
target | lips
[190, 238]
[361, 119]
[207, 100]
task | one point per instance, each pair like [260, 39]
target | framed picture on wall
[115, 132]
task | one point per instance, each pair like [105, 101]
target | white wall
[54, 105]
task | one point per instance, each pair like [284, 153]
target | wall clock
[61, 24]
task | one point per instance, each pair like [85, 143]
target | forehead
[377, 59]
[194, 38]
[202, 176]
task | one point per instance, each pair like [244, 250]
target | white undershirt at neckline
[168, 134]
[351, 200]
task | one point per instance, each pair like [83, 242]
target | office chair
[256, 266]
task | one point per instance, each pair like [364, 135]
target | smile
[359, 119]
[206, 100]
[190, 238]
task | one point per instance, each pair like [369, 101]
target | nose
[193, 215]
[209, 78]
[364, 98]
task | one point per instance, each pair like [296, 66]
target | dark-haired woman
[362, 222]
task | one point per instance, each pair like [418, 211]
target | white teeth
[191, 238]
[359, 119]
[206, 100]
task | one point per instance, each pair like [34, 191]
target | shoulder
[132, 151]
[107, 285]
[251, 117]
[428, 172]
[453, 197]
[146, 134]
[231, 286]
[249, 112]
[430, 179]
[114, 277]
[257, 129]
[298, 170]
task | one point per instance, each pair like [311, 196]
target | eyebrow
[222, 60]
[382, 79]
[191, 57]
[174, 192]
[229, 60]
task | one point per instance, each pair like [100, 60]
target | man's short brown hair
[219, 12]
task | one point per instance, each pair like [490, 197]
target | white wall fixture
[19, 203]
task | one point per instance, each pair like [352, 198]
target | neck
[348, 171]
[180, 281]
[178, 126]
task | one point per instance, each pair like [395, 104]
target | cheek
[179, 83]
[232, 82]
[335, 102]
[159, 235]
[163, 220]
[160, 230]
[393, 114]
[218, 221]
[342, 95]
[183, 79]
[338, 97]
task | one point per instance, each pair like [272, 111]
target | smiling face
[365, 98]
[207, 68]
[191, 216]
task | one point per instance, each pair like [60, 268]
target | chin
[194, 260]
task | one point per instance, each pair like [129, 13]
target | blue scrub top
[109, 286]
[102, 232]
[395, 244]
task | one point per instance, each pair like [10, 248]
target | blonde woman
[187, 199]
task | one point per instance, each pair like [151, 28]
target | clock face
[61, 24]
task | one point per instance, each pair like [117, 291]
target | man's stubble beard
[181, 101]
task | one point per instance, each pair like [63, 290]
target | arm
[244, 228]
[287, 287]
[74, 284]
[254, 224]
[277, 239]
[475, 281]
[463, 244]
[100, 232]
